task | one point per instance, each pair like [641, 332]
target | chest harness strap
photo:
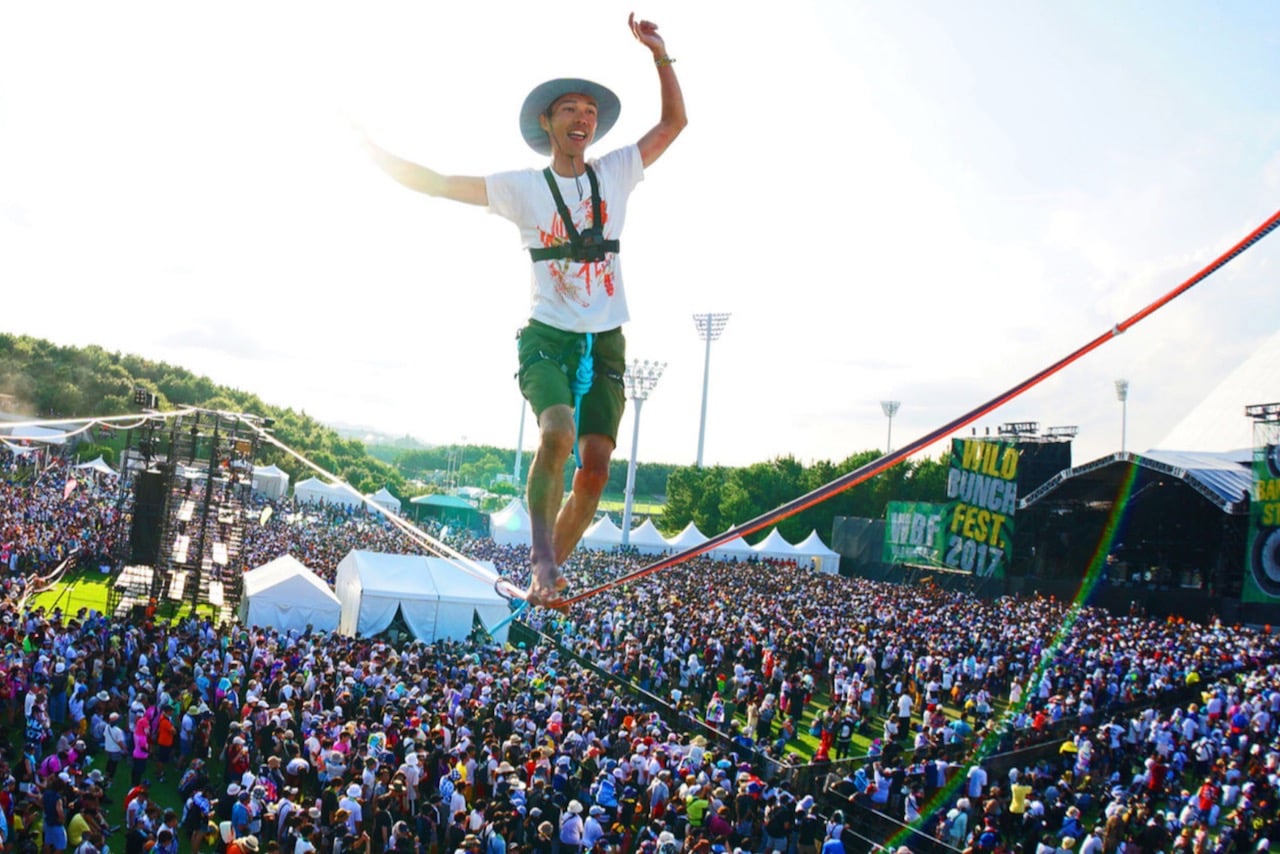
[586, 246]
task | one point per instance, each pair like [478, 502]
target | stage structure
[1262, 556]
[192, 476]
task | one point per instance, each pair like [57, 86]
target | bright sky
[920, 201]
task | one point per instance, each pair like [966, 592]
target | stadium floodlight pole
[890, 409]
[640, 379]
[710, 325]
[1122, 395]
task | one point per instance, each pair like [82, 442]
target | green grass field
[89, 589]
[639, 507]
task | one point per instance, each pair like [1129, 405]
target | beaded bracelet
[663, 60]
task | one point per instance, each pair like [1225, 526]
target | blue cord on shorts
[580, 384]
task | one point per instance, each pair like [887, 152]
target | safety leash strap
[580, 384]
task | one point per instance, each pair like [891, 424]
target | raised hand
[646, 32]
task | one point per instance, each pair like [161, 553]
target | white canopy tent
[824, 559]
[602, 535]
[510, 526]
[284, 595]
[735, 549]
[437, 599]
[647, 540]
[384, 499]
[775, 547]
[316, 491]
[97, 466]
[688, 538]
[271, 481]
[472, 493]
[35, 433]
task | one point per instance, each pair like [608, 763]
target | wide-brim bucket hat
[544, 95]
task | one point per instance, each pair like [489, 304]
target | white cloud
[893, 202]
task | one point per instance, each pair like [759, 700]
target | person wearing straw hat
[572, 353]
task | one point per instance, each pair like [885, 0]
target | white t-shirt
[570, 295]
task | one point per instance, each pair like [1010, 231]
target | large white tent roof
[1218, 422]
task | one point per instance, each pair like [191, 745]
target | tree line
[54, 381]
[481, 465]
[717, 497]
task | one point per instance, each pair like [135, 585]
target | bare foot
[542, 597]
[546, 587]
[558, 580]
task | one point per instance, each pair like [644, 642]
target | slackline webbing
[889, 460]
[455, 558]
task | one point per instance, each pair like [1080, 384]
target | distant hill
[373, 436]
[38, 376]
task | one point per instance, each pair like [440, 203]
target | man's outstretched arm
[460, 188]
[673, 118]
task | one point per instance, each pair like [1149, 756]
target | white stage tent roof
[1218, 422]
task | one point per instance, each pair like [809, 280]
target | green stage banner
[913, 532]
[982, 486]
[1262, 581]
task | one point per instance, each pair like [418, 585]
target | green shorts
[549, 357]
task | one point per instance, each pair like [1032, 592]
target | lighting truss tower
[1122, 395]
[710, 325]
[890, 409]
[641, 378]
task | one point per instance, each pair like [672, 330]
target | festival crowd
[306, 741]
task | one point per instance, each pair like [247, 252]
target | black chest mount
[586, 246]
